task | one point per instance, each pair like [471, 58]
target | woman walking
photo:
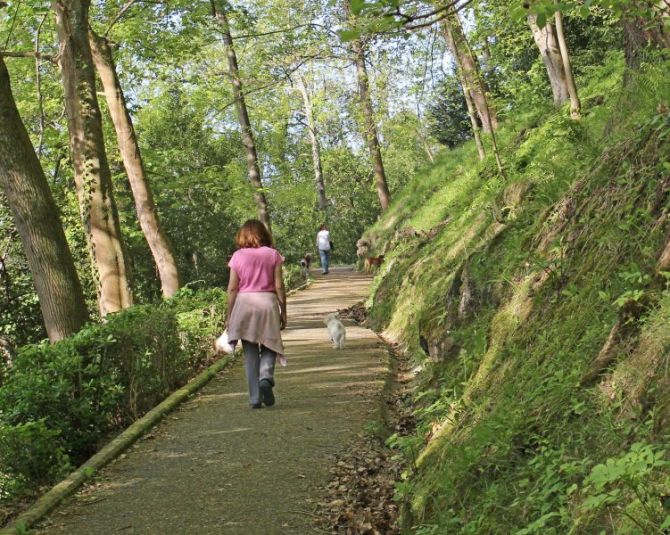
[257, 308]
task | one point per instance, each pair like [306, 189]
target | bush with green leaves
[293, 278]
[200, 319]
[634, 475]
[60, 401]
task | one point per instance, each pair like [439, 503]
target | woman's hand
[282, 321]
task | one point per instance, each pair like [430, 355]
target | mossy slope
[542, 302]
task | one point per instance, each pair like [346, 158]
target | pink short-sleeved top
[255, 268]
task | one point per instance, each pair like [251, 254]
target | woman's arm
[281, 294]
[233, 287]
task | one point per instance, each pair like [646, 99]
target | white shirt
[323, 240]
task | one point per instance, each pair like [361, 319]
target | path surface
[217, 466]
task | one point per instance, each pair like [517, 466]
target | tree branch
[38, 85]
[427, 24]
[11, 28]
[119, 15]
[437, 15]
[33, 54]
[123, 11]
[284, 30]
[443, 15]
[437, 11]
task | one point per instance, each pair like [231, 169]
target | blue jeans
[325, 258]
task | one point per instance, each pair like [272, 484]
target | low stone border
[46, 503]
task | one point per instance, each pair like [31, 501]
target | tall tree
[253, 168]
[147, 214]
[369, 124]
[314, 140]
[470, 72]
[575, 104]
[550, 40]
[467, 94]
[547, 42]
[91, 169]
[37, 221]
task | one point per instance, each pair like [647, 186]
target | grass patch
[542, 404]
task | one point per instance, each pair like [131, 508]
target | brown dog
[372, 262]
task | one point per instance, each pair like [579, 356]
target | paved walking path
[217, 466]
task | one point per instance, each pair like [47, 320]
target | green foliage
[521, 438]
[406, 151]
[293, 277]
[34, 455]
[200, 318]
[60, 401]
[517, 284]
[633, 473]
[449, 120]
[195, 176]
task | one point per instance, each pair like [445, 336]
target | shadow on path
[216, 466]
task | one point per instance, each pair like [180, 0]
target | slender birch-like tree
[157, 239]
[472, 112]
[575, 104]
[91, 169]
[547, 43]
[253, 167]
[468, 65]
[314, 141]
[550, 41]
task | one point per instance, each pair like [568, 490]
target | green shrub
[42, 458]
[292, 277]
[59, 401]
[200, 319]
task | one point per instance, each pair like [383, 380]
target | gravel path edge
[47, 502]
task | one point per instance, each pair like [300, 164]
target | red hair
[253, 234]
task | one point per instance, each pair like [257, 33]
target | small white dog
[336, 330]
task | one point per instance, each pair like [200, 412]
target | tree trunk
[195, 260]
[37, 222]
[575, 105]
[253, 168]
[473, 119]
[640, 33]
[472, 113]
[314, 138]
[369, 126]
[547, 42]
[635, 39]
[425, 145]
[91, 170]
[469, 67]
[160, 246]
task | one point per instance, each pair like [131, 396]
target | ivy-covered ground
[536, 313]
